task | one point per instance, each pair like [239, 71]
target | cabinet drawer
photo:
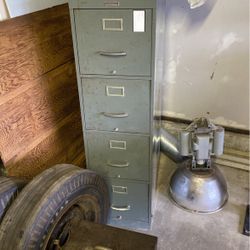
[129, 200]
[117, 105]
[118, 155]
[108, 44]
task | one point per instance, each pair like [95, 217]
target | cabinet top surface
[87, 4]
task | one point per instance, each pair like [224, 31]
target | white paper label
[139, 21]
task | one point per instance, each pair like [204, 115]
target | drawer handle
[117, 165]
[121, 208]
[115, 115]
[112, 54]
[101, 248]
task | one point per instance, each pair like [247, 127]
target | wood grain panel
[63, 145]
[31, 113]
[32, 45]
[39, 108]
[80, 161]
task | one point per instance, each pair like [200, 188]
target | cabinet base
[129, 224]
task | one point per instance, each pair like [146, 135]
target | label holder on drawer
[115, 91]
[111, 3]
[112, 24]
[119, 189]
[122, 145]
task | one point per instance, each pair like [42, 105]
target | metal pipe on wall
[170, 146]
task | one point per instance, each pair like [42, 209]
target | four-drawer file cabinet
[114, 44]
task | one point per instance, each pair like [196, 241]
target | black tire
[41, 216]
[9, 189]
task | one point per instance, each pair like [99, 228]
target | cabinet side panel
[159, 57]
[80, 93]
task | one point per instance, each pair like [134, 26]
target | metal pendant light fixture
[197, 185]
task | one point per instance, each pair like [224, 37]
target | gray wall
[207, 61]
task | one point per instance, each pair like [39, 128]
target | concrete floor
[178, 229]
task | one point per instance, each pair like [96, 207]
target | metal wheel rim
[84, 203]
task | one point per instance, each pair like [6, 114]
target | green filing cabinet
[115, 44]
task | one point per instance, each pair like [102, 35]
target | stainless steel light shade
[197, 190]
